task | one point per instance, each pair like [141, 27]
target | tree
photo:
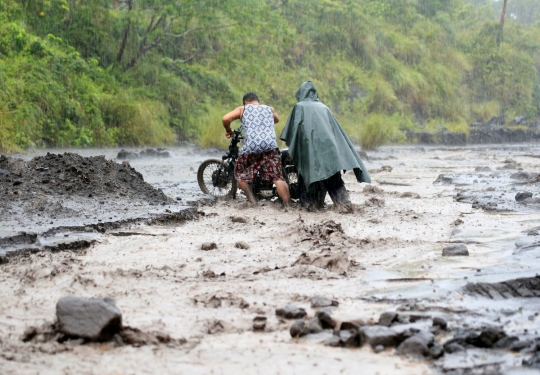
[503, 17]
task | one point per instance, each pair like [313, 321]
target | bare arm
[276, 117]
[230, 117]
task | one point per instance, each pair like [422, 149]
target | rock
[533, 362]
[437, 350]
[378, 349]
[242, 245]
[385, 336]
[95, 319]
[482, 169]
[335, 261]
[453, 348]
[416, 346]
[314, 326]
[352, 324]
[149, 152]
[455, 250]
[319, 301]
[410, 195]
[506, 342]
[350, 338]
[488, 337]
[333, 341]
[291, 312]
[17, 182]
[238, 219]
[165, 154]
[523, 195]
[370, 189]
[518, 346]
[526, 287]
[520, 176]
[208, 246]
[519, 119]
[386, 318]
[299, 328]
[325, 317]
[137, 338]
[440, 322]
[259, 323]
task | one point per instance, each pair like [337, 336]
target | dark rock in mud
[348, 338]
[453, 347]
[378, 349]
[259, 323]
[440, 322]
[533, 362]
[314, 326]
[352, 324]
[325, 317]
[524, 287]
[489, 337]
[299, 328]
[319, 301]
[520, 197]
[242, 245]
[385, 336]
[95, 319]
[209, 246]
[125, 154]
[291, 312]
[417, 345]
[333, 341]
[518, 346]
[135, 337]
[387, 318]
[506, 342]
[455, 250]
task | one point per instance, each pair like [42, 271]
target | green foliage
[378, 129]
[98, 73]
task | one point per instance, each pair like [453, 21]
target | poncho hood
[317, 143]
[307, 92]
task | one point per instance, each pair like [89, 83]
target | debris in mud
[148, 152]
[455, 250]
[337, 261]
[239, 219]
[242, 245]
[94, 319]
[410, 195]
[221, 299]
[324, 230]
[209, 246]
[384, 168]
[370, 189]
[291, 312]
[374, 202]
[524, 287]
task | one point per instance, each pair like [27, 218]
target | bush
[378, 129]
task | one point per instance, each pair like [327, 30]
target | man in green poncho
[320, 150]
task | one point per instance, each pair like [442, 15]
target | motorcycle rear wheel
[214, 179]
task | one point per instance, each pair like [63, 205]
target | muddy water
[162, 281]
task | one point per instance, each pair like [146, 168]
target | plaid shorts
[269, 164]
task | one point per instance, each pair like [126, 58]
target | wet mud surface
[377, 277]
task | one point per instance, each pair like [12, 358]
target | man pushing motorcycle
[260, 152]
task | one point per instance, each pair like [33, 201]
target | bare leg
[249, 193]
[283, 192]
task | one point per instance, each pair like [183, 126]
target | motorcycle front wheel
[214, 179]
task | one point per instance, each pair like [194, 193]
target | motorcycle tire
[214, 179]
[291, 177]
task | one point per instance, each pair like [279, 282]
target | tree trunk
[503, 17]
[125, 37]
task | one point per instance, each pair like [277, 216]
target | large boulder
[95, 319]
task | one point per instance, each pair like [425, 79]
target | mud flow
[435, 272]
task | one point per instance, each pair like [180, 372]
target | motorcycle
[216, 177]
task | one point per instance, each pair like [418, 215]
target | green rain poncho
[317, 142]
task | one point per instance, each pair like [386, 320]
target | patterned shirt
[258, 127]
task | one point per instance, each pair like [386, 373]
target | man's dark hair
[249, 97]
